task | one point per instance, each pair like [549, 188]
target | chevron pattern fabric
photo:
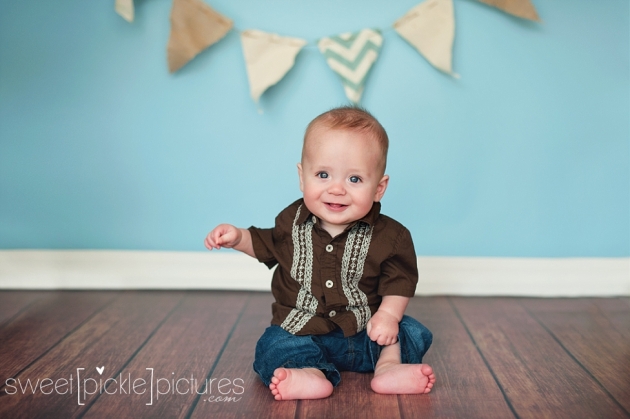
[351, 55]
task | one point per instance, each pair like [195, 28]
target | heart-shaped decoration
[100, 370]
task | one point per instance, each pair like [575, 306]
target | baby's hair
[352, 118]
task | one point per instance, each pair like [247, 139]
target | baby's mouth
[335, 207]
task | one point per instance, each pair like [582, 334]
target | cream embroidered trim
[302, 272]
[352, 264]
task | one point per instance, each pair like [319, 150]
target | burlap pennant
[268, 58]
[125, 9]
[430, 28]
[520, 8]
[351, 55]
[194, 27]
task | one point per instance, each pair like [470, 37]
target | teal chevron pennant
[351, 55]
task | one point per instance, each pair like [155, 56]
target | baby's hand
[224, 235]
[383, 328]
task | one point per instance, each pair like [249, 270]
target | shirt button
[329, 284]
[314, 220]
[329, 248]
[332, 313]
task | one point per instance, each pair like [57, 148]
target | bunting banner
[268, 57]
[351, 55]
[194, 27]
[430, 28]
[125, 9]
[519, 8]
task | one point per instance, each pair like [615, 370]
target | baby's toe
[427, 370]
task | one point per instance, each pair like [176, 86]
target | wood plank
[464, 386]
[236, 362]
[352, 398]
[614, 309]
[591, 338]
[43, 324]
[538, 377]
[183, 349]
[12, 302]
[606, 305]
[109, 339]
[618, 311]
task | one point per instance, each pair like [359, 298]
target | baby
[345, 271]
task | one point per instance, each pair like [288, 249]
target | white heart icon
[100, 370]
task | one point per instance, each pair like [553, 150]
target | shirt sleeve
[399, 272]
[268, 242]
[263, 243]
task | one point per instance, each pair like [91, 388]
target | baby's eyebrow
[358, 172]
[351, 171]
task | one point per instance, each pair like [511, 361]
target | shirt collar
[369, 218]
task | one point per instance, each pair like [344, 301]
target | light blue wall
[526, 155]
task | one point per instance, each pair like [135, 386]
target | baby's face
[340, 176]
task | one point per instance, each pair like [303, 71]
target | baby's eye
[322, 175]
[355, 179]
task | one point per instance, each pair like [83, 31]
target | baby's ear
[299, 167]
[381, 187]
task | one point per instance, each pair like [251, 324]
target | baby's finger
[373, 336]
[210, 244]
[220, 238]
[216, 234]
[216, 238]
[225, 240]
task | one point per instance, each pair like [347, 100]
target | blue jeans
[332, 352]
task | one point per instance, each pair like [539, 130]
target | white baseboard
[97, 269]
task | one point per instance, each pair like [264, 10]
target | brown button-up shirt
[323, 282]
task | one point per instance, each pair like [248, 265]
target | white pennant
[430, 28]
[268, 58]
[125, 9]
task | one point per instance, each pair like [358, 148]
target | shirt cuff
[402, 290]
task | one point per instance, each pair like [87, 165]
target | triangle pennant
[125, 9]
[194, 27]
[351, 55]
[268, 58]
[520, 8]
[430, 28]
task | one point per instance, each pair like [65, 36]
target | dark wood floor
[493, 357]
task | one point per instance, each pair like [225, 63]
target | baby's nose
[336, 188]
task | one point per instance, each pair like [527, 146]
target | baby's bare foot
[294, 384]
[403, 379]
